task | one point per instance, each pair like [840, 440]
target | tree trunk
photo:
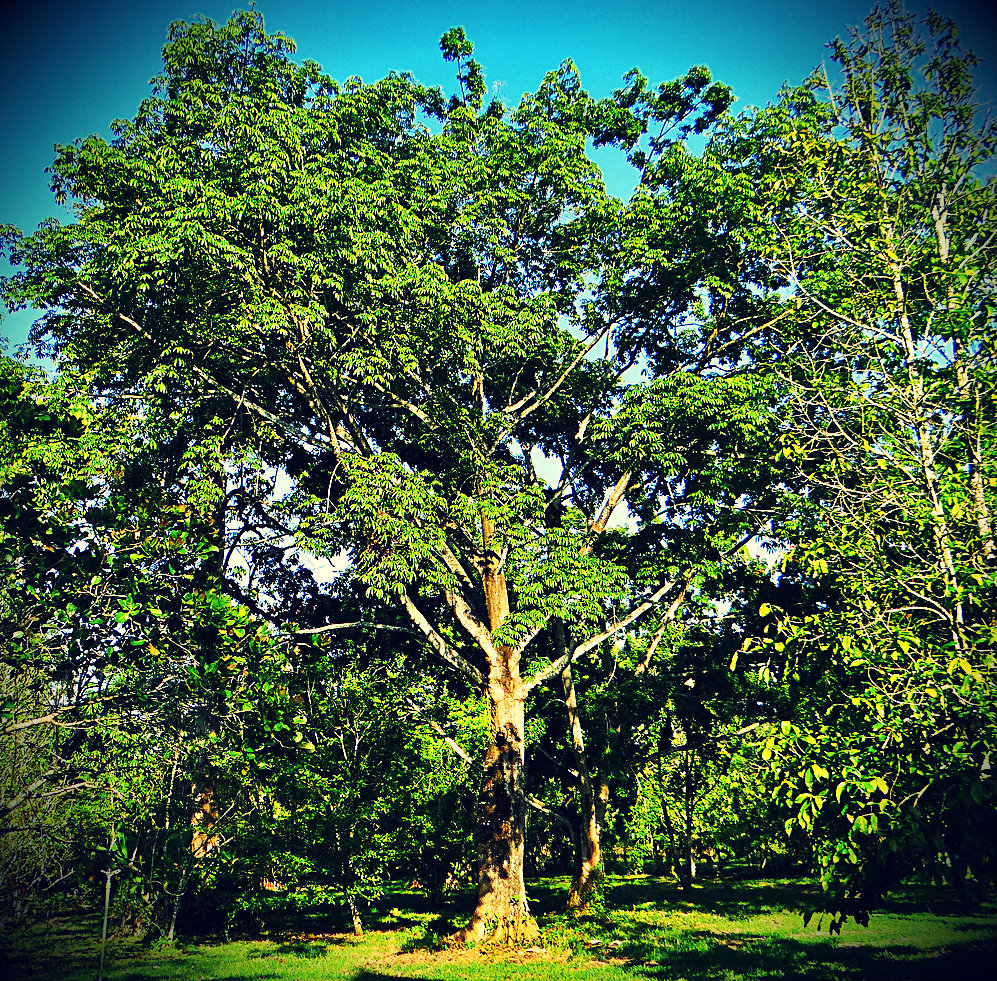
[588, 860]
[588, 877]
[203, 839]
[355, 914]
[688, 860]
[502, 912]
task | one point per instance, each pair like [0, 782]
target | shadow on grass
[307, 950]
[365, 975]
[732, 900]
[935, 901]
[739, 897]
[361, 975]
[704, 956]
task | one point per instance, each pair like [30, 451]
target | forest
[384, 501]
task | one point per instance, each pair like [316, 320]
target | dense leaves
[382, 430]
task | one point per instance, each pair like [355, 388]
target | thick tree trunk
[203, 839]
[502, 912]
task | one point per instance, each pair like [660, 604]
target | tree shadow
[389, 911]
[936, 902]
[307, 949]
[363, 974]
[732, 900]
[712, 957]
[741, 898]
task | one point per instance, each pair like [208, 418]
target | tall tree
[416, 337]
[875, 183]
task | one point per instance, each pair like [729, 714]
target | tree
[417, 338]
[879, 217]
[119, 656]
[58, 696]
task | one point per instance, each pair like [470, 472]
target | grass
[648, 930]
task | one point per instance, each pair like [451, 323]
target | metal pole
[107, 904]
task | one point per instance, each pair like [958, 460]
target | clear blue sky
[68, 69]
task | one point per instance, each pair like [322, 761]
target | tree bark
[502, 911]
[355, 914]
[688, 860]
[203, 839]
[588, 860]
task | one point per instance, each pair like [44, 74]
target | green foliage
[350, 373]
[877, 216]
[357, 321]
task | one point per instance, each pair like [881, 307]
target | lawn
[648, 930]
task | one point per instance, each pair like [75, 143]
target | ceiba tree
[417, 336]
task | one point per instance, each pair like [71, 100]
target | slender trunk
[110, 873]
[355, 914]
[588, 859]
[970, 397]
[181, 889]
[202, 839]
[971, 423]
[690, 812]
[167, 805]
[674, 844]
[926, 452]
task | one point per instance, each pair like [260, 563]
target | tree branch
[439, 644]
[556, 667]
[440, 731]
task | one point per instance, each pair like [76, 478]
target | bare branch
[439, 644]
[612, 502]
[330, 627]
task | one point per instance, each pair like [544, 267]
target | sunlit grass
[648, 929]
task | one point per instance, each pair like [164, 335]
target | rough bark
[203, 839]
[502, 911]
[587, 880]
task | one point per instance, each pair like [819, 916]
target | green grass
[648, 930]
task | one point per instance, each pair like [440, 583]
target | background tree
[879, 216]
[123, 664]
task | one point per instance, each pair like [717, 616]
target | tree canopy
[382, 372]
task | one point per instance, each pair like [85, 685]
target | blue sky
[68, 69]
